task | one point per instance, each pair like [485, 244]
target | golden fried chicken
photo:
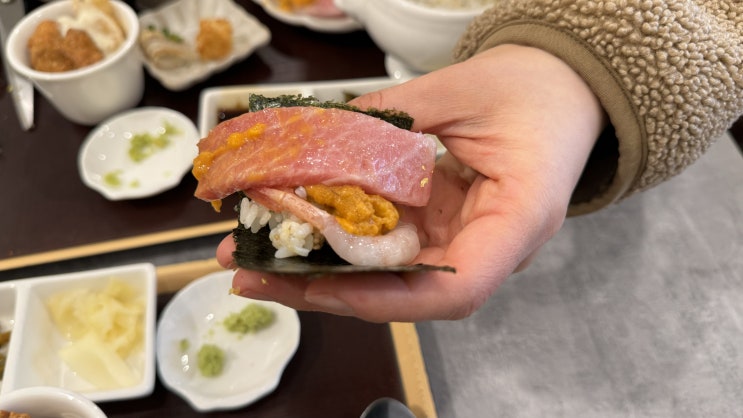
[49, 51]
[80, 48]
[214, 40]
[45, 49]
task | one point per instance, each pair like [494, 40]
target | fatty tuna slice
[297, 146]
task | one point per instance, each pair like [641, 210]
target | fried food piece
[214, 40]
[49, 51]
[11, 414]
[47, 33]
[81, 49]
[45, 49]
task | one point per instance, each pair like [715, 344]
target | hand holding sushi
[518, 136]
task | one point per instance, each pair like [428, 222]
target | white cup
[50, 402]
[90, 94]
[421, 38]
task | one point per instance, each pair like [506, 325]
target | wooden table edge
[116, 245]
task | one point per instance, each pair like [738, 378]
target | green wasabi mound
[250, 319]
[210, 360]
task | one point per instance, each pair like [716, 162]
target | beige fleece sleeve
[668, 74]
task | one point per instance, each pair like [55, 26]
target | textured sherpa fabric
[668, 74]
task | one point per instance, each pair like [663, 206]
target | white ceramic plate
[254, 362]
[318, 24]
[182, 18]
[104, 155]
[33, 353]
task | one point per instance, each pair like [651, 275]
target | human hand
[518, 125]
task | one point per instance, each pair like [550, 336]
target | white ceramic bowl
[33, 354]
[254, 362]
[105, 154]
[90, 94]
[420, 37]
[50, 402]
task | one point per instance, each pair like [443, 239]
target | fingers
[224, 252]
[435, 109]
[481, 265]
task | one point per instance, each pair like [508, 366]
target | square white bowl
[33, 354]
[214, 99]
[182, 17]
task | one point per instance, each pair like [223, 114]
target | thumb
[419, 98]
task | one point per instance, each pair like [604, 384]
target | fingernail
[330, 303]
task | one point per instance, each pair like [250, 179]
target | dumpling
[165, 53]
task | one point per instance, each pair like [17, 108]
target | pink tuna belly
[296, 146]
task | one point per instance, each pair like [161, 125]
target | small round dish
[51, 402]
[110, 164]
[254, 362]
[318, 24]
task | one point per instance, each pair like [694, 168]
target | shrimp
[397, 247]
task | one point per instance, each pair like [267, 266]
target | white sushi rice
[292, 238]
[289, 234]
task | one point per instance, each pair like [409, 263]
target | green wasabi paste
[210, 360]
[251, 318]
[112, 178]
[144, 145]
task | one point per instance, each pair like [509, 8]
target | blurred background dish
[338, 24]
[181, 24]
[50, 402]
[90, 93]
[253, 362]
[90, 332]
[398, 70]
[419, 34]
[138, 153]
